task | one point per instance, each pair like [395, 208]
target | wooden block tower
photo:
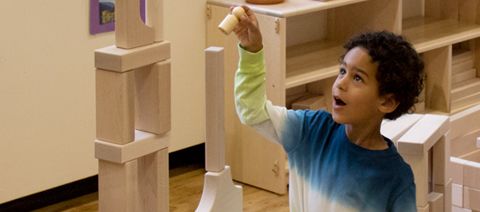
[219, 192]
[133, 112]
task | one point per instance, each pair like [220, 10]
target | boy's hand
[247, 31]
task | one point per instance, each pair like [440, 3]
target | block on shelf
[310, 102]
[464, 122]
[457, 195]
[153, 98]
[471, 169]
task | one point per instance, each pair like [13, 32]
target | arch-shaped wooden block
[155, 18]
[130, 31]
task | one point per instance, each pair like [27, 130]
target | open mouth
[339, 101]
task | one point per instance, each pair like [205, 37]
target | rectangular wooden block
[153, 98]
[440, 161]
[464, 144]
[144, 144]
[465, 122]
[117, 59]
[419, 165]
[471, 170]
[446, 190]
[425, 208]
[435, 201]
[130, 31]
[457, 170]
[153, 182]
[395, 129]
[457, 195]
[117, 186]
[115, 106]
[471, 198]
[310, 103]
[424, 134]
[215, 116]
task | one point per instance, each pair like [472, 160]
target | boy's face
[355, 91]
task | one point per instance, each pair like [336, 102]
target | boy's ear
[388, 103]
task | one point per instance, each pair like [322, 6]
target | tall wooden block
[155, 18]
[457, 195]
[440, 161]
[153, 182]
[118, 186]
[130, 31]
[215, 120]
[419, 165]
[115, 106]
[153, 98]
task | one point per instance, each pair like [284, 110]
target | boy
[339, 161]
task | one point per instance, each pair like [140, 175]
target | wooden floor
[186, 185]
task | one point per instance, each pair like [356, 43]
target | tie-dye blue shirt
[327, 171]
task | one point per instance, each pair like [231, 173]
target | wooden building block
[117, 185]
[154, 18]
[419, 165]
[446, 190]
[215, 117]
[117, 59]
[153, 182]
[144, 144]
[425, 208]
[457, 195]
[456, 165]
[396, 128]
[310, 103]
[478, 142]
[471, 198]
[440, 161]
[471, 170]
[464, 144]
[130, 31]
[153, 98]
[115, 106]
[467, 88]
[220, 194]
[464, 122]
[435, 201]
[464, 75]
[460, 209]
[423, 135]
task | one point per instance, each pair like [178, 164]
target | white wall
[47, 111]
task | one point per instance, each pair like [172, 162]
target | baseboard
[194, 155]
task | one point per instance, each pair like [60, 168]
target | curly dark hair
[400, 68]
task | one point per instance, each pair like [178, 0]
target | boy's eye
[342, 71]
[357, 78]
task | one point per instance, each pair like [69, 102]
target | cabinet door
[253, 159]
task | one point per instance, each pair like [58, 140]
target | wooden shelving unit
[303, 42]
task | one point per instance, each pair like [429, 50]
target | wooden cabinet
[303, 41]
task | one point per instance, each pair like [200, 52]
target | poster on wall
[102, 15]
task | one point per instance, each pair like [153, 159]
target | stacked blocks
[219, 192]
[423, 144]
[133, 112]
[465, 160]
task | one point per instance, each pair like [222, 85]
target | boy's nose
[340, 83]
